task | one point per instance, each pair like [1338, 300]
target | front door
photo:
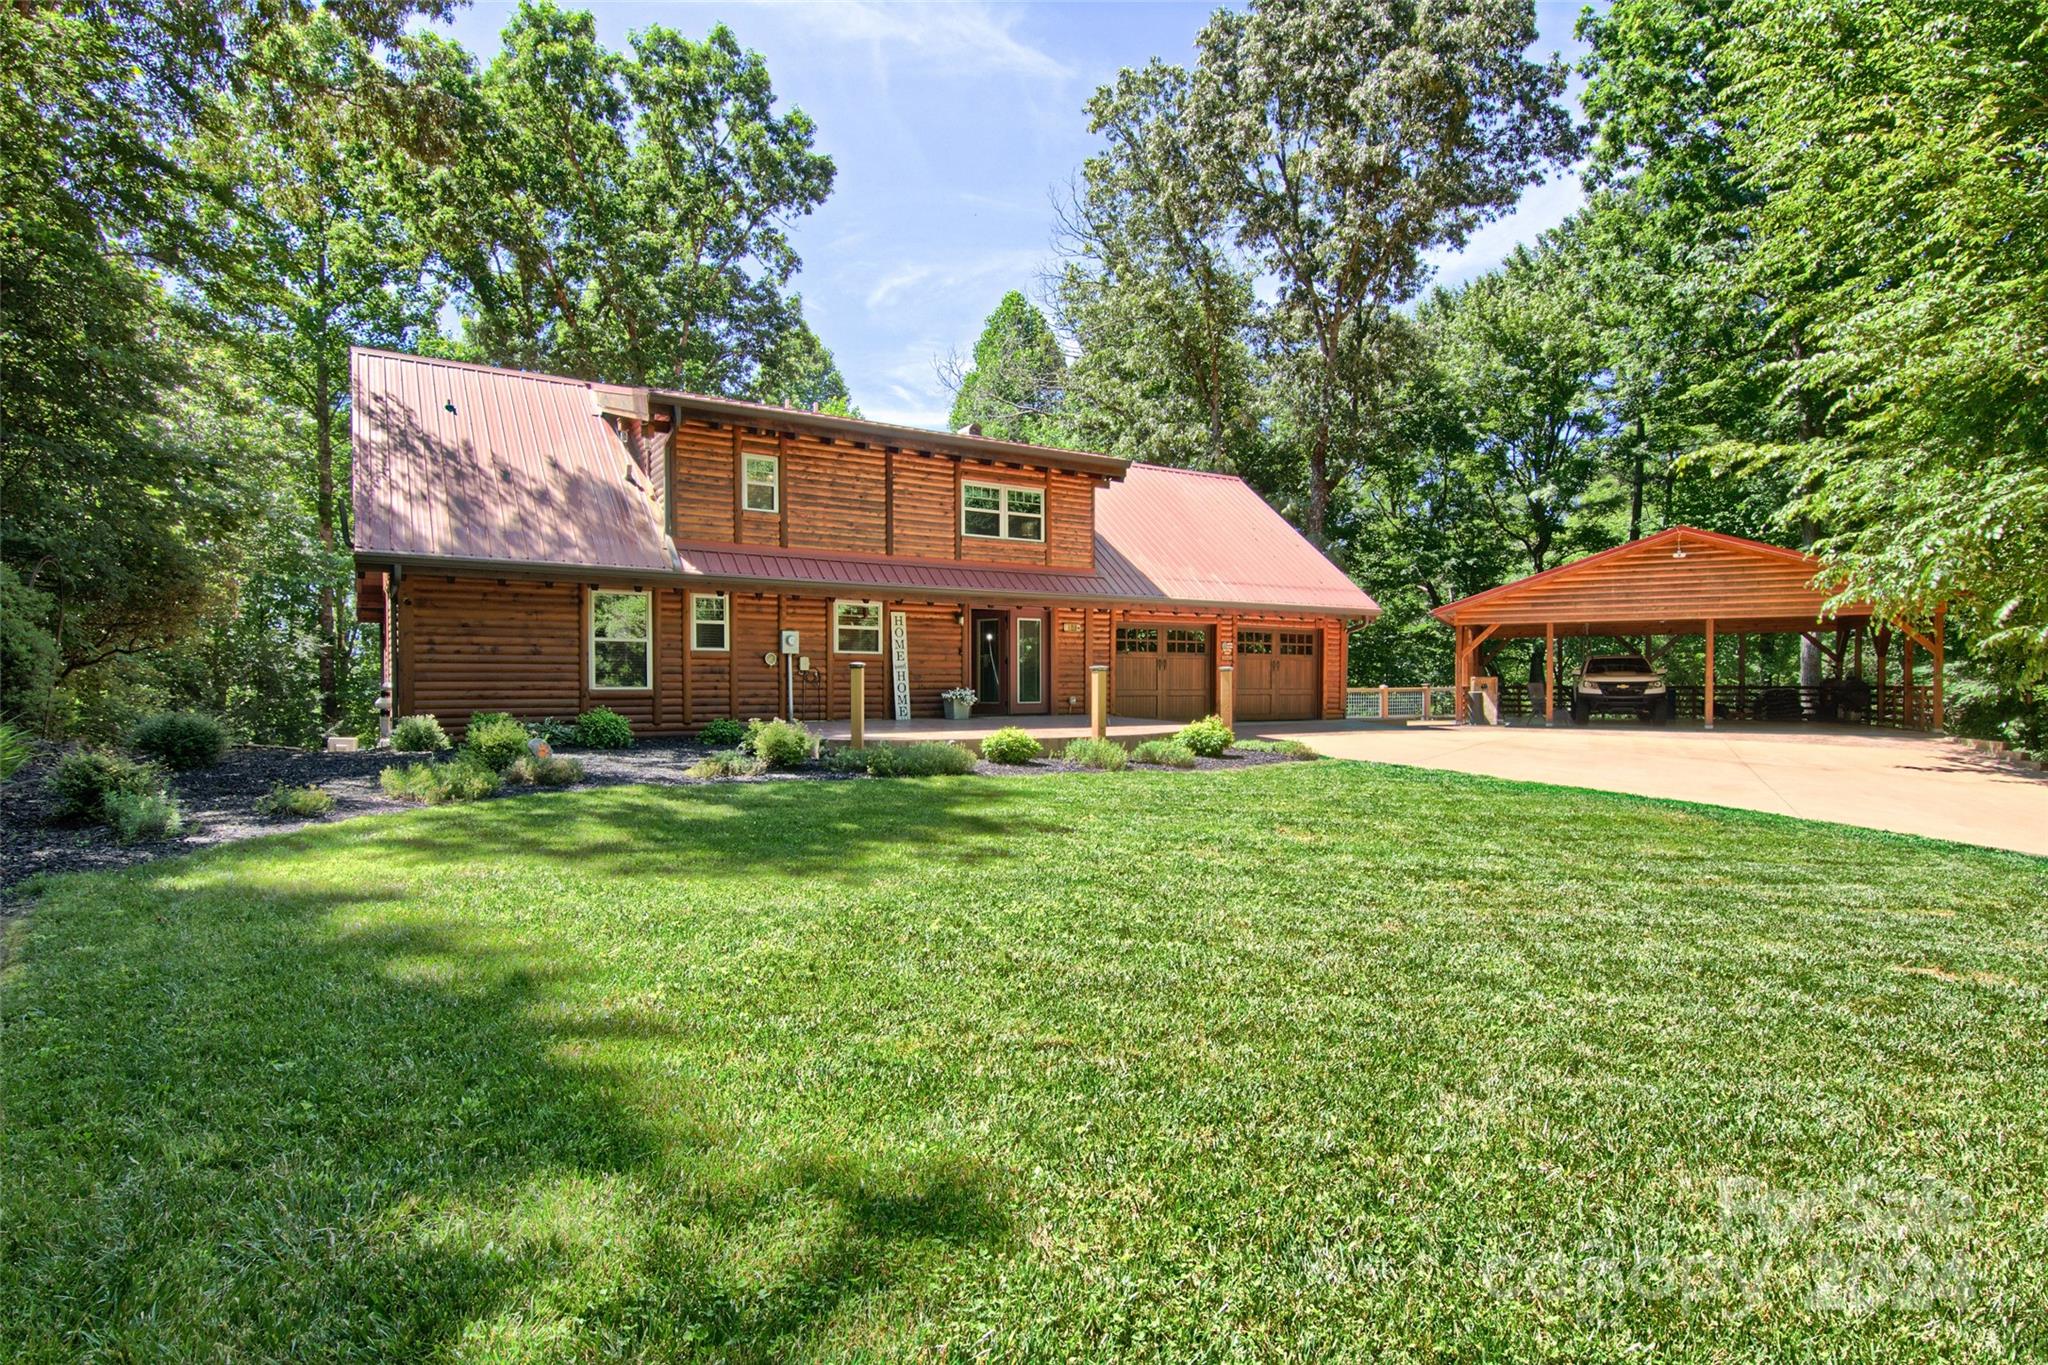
[991, 646]
[1028, 691]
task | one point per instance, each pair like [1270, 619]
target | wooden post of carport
[1940, 630]
[1549, 673]
[1710, 673]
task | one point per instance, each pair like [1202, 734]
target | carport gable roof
[1672, 582]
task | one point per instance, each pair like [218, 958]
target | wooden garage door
[1162, 671]
[1276, 674]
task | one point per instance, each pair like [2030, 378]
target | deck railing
[1431, 701]
[1895, 706]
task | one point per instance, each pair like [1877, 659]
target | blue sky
[954, 126]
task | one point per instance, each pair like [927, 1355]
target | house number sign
[899, 664]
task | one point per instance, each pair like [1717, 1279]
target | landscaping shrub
[140, 816]
[1105, 754]
[436, 784]
[1164, 753]
[782, 743]
[724, 733]
[1293, 748]
[294, 803]
[418, 735]
[556, 734]
[603, 728]
[553, 771]
[931, 758]
[180, 740]
[728, 763]
[1209, 736]
[16, 748]
[84, 779]
[496, 741]
[1011, 745]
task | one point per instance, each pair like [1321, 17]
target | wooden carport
[1682, 581]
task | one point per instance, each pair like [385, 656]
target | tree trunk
[323, 425]
[1635, 497]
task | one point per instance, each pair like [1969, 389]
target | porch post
[1741, 674]
[1884, 644]
[1909, 711]
[1940, 630]
[1461, 677]
[1710, 672]
[1098, 700]
[857, 704]
[1549, 673]
[1226, 694]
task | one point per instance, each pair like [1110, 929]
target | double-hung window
[762, 476]
[997, 511]
[709, 622]
[857, 627]
[621, 641]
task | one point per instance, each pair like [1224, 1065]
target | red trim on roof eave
[1449, 610]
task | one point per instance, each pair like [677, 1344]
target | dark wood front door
[1163, 671]
[1276, 674]
[989, 643]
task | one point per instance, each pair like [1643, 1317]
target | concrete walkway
[1889, 780]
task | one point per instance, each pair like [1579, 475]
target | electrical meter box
[789, 642]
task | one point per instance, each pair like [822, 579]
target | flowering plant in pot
[958, 701]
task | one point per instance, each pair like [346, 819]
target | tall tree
[799, 372]
[623, 216]
[1015, 387]
[1347, 139]
[1157, 304]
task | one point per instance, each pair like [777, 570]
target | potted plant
[959, 702]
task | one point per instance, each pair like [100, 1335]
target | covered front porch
[1046, 729]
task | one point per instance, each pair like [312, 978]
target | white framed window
[763, 478]
[998, 511]
[710, 622]
[857, 627]
[621, 641]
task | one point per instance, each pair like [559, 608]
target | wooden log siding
[481, 644]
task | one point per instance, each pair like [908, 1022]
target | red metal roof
[480, 467]
[468, 462]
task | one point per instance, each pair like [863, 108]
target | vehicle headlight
[1588, 685]
[1656, 685]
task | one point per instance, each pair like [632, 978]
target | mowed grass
[1311, 1061]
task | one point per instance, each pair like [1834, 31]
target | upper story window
[621, 640]
[763, 478]
[857, 627]
[709, 622]
[996, 511]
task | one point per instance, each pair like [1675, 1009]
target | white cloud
[960, 38]
[930, 419]
[1016, 269]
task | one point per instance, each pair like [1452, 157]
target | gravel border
[220, 802]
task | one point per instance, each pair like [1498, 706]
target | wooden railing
[1894, 706]
[1431, 701]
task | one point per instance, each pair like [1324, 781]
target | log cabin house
[541, 545]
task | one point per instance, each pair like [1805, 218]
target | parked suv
[1620, 683]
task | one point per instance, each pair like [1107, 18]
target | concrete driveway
[1880, 779]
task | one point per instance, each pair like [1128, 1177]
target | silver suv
[1620, 683]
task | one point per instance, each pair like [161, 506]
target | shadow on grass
[311, 1124]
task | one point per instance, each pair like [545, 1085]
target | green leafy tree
[621, 216]
[1346, 140]
[799, 372]
[1015, 388]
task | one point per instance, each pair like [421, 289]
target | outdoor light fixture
[1678, 553]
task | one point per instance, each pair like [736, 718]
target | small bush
[1293, 748]
[16, 748]
[932, 758]
[138, 817]
[1164, 753]
[603, 728]
[782, 743]
[723, 734]
[532, 770]
[1011, 745]
[728, 763]
[556, 734]
[180, 740]
[496, 741]
[418, 735]
[84, 779]
[1209, 736]
[438, 784]
[294, 803]
[1105, 754]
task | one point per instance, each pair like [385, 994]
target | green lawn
[1305, 1061]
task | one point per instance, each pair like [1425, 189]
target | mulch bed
[220, 802]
